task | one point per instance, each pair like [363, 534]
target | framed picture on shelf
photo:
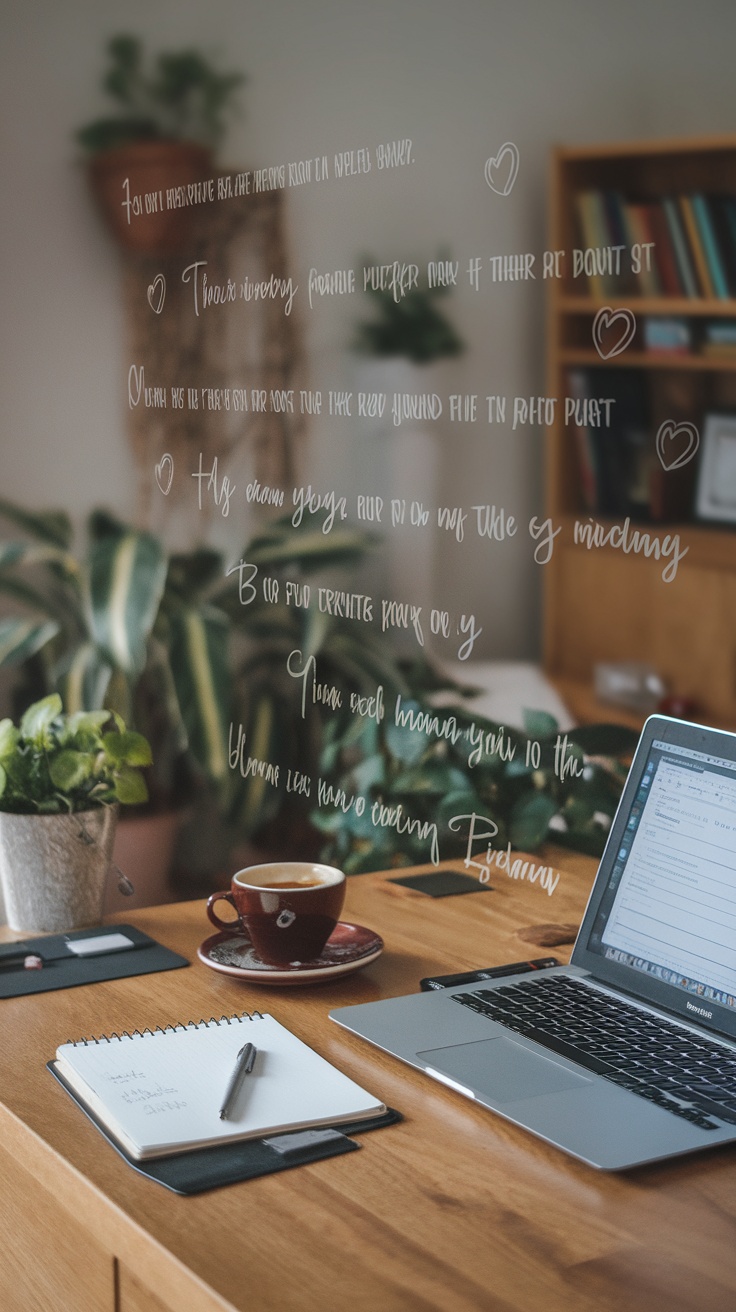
[716, 492]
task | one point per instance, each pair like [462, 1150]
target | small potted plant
[411, 327]
[61, 780]
[170, 119]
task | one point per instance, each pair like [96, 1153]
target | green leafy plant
[431, 767]
[187, 648]
[412, 327]
[54, 763]
[181, 98]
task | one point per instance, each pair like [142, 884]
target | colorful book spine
[664, 252]
[578, 389]
[595, 236]
[640, 234]
[678, 235]
[718, 209]
[698, 253]
[710, 246]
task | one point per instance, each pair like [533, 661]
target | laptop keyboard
[679, 1071]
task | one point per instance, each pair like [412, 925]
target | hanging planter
[142, 192]
[170, 114]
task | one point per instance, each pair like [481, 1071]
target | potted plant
[61, 780]
[431, 767]
[170, 118]
[189, 651]
[410, 327]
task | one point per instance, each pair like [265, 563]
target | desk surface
[453, 1210]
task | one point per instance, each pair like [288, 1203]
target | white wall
[459, 79]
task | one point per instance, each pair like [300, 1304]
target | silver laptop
[628, 1055]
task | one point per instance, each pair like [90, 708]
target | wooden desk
[454, 1210]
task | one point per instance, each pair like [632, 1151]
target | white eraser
[89, 947]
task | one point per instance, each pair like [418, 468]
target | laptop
[627, 1055]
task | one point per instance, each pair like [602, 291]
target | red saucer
[349, 948]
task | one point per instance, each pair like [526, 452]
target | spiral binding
[166, 1029]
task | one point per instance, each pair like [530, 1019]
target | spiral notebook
[159, 1092]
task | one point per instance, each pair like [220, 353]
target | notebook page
[159, 1092]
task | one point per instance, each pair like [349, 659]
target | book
[696, 247]
[664, 252]
[685, 267]
[594, 230]
[668, 335]
[638, 220]
[577, 383]
[722, 226]
[159, 1092]
[714, 261]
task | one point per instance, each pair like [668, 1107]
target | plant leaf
[128, 748]
[130, 786]
[539, 724]
[127, 573]
[530, 819]
[38, 717]
[70, 769]
[20, 639]
[201, 673]
[52, 526]
[84, 679]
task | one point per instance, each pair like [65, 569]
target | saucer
[349, 948]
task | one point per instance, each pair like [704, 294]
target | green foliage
[423, 767]
[412, 327]
[182, 98]
[177, 648]
[56, 763]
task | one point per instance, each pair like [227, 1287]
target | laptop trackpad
[501, 1070]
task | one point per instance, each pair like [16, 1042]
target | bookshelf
[603, 604]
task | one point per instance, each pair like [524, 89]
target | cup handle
[227, 925]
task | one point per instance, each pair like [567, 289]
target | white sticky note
[293, 1143]
[90, 947]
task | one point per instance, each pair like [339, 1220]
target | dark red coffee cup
[287, 909]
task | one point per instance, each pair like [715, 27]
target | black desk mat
[200, 1169]
[442, 883]
[63, 970]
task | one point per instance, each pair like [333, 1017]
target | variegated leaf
[201, 672]
[127, 573]
[20, 638]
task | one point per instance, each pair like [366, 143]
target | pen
[243, 1067]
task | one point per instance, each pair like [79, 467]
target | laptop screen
[666, 908]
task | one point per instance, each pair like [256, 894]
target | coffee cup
[287, 909]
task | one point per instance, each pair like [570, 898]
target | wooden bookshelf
[602, 604]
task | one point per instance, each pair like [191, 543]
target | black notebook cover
[228, 1163]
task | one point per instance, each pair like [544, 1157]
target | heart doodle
[604, 321]
[165, 473]
[494, 163]
[135, 385]
[157, 293]
[669, 432]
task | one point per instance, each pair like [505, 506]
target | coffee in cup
[287, 909]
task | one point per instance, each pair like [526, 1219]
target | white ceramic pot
[53, 868]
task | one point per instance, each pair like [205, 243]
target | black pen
[243, 1067]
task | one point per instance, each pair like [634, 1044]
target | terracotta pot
[143, 851]
[53, 868]
[137, 213]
